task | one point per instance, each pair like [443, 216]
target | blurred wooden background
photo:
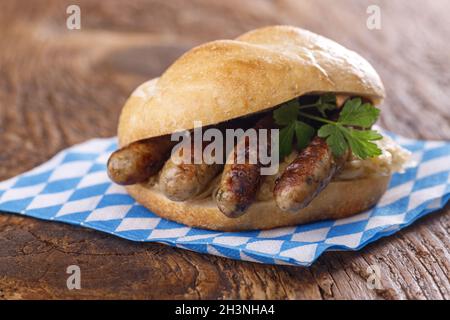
[59, 87]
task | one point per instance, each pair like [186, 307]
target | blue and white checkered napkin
[73, 187]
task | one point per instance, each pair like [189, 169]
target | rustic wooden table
[60, 87]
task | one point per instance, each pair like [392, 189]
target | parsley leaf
[286, 114]
[303, 133]
[360, 142]
[335, 138]
[326, 102]
[339, 138]
[350, 131]
[357, 114]
[285, 140]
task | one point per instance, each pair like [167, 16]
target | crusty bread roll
[227, 79]
[339, 199]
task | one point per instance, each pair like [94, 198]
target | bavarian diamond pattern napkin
[73, 187]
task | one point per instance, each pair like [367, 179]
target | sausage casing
[240, 182]
[139, 160]
[183, 181]
[307, 175]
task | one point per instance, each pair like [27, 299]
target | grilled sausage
[307, 176]
[139, 160]
[240, 182]
[182, 181]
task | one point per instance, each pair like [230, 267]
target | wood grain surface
[60, 87]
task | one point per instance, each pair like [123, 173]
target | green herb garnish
[286, 117]
[325, 103]
[351, 130]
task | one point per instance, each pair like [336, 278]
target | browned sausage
[306, 176]
[240, 182]
[183, 181]
[139, 160]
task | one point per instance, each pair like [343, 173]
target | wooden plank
[60, 87]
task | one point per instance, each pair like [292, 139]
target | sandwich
[313, 106]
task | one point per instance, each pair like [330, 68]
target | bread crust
[339, 199]
[227, 79]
